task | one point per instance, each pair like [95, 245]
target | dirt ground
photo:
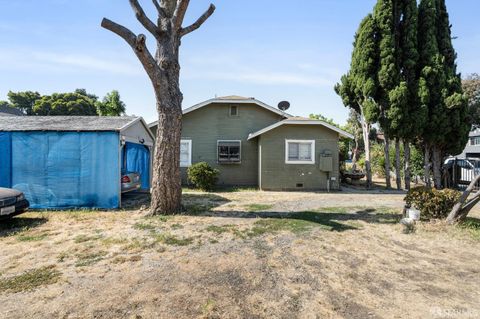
[243, 254]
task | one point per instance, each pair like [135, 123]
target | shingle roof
[65, 123]
[9, 111]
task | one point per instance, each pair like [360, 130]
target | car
[12, 202]
[130, 181]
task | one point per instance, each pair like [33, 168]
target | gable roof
[9, 111]
[234, 99]
[70, 123]
[297, 120]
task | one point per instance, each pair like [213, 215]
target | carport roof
[68, 123]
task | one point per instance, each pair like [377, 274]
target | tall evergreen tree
[358, 88]
[446, 130]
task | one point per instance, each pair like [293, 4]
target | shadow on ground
[206, 205]
[19, 223]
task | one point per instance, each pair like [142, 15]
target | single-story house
[254, 144]
[73, 161]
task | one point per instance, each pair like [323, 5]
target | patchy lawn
[241, 254]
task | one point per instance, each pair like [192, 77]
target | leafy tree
[163, 69]
[4, 104]
[446, 131]
[64, 104]
[358, 88]
[84, 92]
[111, 105]
[471, 87]
[23, 101]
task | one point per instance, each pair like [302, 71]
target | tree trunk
[457, 213]
[437, 167]
[398, 164]
[406, 164]
[386, 150]
[163, 69]
[366, 140]
[427, 166]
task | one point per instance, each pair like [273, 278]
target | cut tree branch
[199, 22]
[179, 14]
[137, 43]
[144, 20]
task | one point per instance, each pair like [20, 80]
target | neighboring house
[472, 149]
[73, 161]
[9, 111]
[254, 144]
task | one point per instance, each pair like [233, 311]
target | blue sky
[272, 50]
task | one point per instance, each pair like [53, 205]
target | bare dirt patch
[241, 255]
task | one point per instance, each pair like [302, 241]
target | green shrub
[432, 203]
[203, 176]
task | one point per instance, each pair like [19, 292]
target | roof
[69, 123]
[301, 121]
[234, 99]
[9, 111]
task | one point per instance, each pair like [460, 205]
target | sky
[272, 50]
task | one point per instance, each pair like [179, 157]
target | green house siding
[277, 175]
[213, 122]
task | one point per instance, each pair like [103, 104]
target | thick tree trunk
[366, 140]
[437, 167]
[398, 164]
[386, 150]
[406, 164]
[426, 166]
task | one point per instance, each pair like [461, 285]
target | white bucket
[413, 214]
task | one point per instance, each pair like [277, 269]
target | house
[472, 149]
[254, 144]
[9, 111]
[73, 161]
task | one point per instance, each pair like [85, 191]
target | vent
[300, 185]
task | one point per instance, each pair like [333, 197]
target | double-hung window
[229, 151]
[185, 153]
[299, 151]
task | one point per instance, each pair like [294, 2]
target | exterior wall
[213, 122]
[277, 175]
[137, 132]
[471, 150]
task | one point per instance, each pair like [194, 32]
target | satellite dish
[284, 105]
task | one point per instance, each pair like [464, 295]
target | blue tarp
[5, 159]
[137, 159]
[67, 169]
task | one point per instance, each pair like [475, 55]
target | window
[229, 151]
[299, 152]
[185, 153]
[233, 110]
[475, 140]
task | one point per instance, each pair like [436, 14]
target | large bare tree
[163, 69]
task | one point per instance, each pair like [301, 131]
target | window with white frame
[229, 151]
[300, 151]
[185, 153]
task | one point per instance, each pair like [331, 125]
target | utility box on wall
[326, 161]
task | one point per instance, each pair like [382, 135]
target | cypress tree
[358, 88]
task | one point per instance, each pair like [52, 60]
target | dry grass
[243, 254]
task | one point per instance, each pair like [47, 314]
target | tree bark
[366, 140]
[164, 73]
[398, 170]
[427, 166]
[437, 167]
[406, 164]
[386, 149]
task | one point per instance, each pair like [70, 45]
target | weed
[25, 237]
[30, 280]
[472, 227]
[144, 226]
[219, 229]
[208, 307]
[172, 240]
[258, 207]
[84, 238]
[176, 226]
[87, 259]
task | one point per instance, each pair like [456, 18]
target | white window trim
[189, 153]
[227, 163]
[311, 142]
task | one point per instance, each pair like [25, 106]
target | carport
[73, 161]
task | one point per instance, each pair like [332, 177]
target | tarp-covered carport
[73, 161]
